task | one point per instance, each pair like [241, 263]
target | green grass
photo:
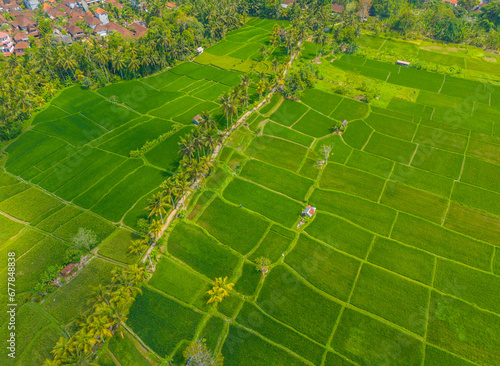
[341, 178]
[440, 241]
[274, 244]
[392, 126]
[277, 152]
[245, 231]
[274, 206]
[405, 260]
[370, 163]
[415, 202]
[349, 109]
[453, 323]
[116, 246]
[289, 112]
[367, 341]
[422, 179]
[252, 317]
[315, 124]
[204, 254]
[296, 302]
[390, 148]
[246, 349]
[475, 287]
[274, 129]
[277, 179]
[70, 301]
[330, 271]
[321, 101]
[474, 223]
[357, 134]
[474, 197]
[364, 213]
[391, 297]
[161, 322]
[174, 279]
[29, 204]
[340, 234]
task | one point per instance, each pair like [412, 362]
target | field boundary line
[442, 84]
[366, 143]
[113, 357]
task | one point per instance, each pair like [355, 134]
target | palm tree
[136, 273]
[245, 84]
[186, 147]
[156, 205]
[227, 107]
[221, 290]
[100, 326]
[138, 246]
[155, 229]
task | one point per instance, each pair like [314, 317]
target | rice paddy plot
[338, 177]
[289, 112]
[340, 234]
[249, 280]
[29, 204]
[392, 126]
[161, 79]
[75, 99]
[125, 351]
[483, 150]
[395, 114]
[75, 129]
[325, 268]
[212, 93]
[177, 107]
[444, 101]
[357, 134]
[110, 115]
[117, 246]
[278, 152]
[474, 223]
[87, 220]
[405, 260]
[453, 321]
[270, 204]
[123, 196]
[417, 79]
[391, 297]
[277, 179]
[253, 318]
[277, 130]
[481, 173]
[437, 357]
[350, 109]
[161, 322]
[390, 148]
[463, 88]
[246, 231]
[137, 136]
[462, 281]
[438, 161]
[297, 301]
[421, 179]
[370, 163]
[364, 340]
[367, 214]
[51, 113]
[165, 155]
[404, 106]
[174, 279]
[187, 117]
[247, 349]
[440, 139]
[274, 244]
[475, 197]
[320, 101]
[441, 241]
[415, 202]
[315, 124]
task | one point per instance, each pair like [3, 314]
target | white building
[31, 4]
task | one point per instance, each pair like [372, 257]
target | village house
[20, 47]
[70, 268]
[20, 37]
[171, 5]
[22, 23]
[309, 211]
[138, 29]
[3, 21]
[337, 8]
[31, 4]
[102, 15]
[6, 44]
[75, 32]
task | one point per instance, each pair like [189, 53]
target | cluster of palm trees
[108, 309]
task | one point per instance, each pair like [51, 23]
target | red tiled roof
[68, 269]
[338, 8]
[453, 2]
[101, 11]
[23, 22]
[21, 45]
[171, 5]
[20, 36]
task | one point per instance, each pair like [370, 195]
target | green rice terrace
[398, 263]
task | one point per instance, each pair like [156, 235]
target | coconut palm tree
[221, 290]
[186, 147]
[156, 205]
[155, 229]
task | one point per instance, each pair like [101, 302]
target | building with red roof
[20, 47]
